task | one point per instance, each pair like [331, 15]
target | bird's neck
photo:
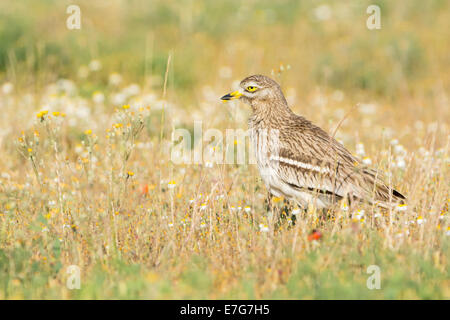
[270, 111]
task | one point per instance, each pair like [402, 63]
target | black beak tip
[226, 97]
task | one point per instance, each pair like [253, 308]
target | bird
[300, 161]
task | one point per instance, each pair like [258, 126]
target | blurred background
[325, 43]
[312, 47]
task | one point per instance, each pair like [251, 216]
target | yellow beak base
[232, 96]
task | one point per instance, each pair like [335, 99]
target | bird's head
[256, 89]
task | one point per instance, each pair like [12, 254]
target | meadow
[86, 123]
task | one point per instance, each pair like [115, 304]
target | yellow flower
[30, 150]
[56, 113]
[130, 173]
[42, 114]
[126, 106]
[88, 132]
[277, 199]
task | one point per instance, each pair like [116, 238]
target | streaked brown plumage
[299, 160]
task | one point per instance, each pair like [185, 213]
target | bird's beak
[232, 96]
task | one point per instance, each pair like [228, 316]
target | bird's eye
[251, 88]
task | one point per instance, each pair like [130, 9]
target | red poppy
[314, 235]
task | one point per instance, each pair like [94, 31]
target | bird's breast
[265, 143]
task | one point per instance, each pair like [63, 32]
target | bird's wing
[312, 160]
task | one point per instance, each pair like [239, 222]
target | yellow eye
[251, 88]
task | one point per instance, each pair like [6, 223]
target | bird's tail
[381, 194]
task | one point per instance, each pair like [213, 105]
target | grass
[90, 183]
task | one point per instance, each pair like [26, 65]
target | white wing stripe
[302, 165]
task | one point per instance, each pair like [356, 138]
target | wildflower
[399, 149]
[447, 233]
[98, 97]
[203, 206]
[368, 108]
[118, 125]
[202, 225]
[314, 235]
[130, 173]
[126, 107]
[88, 132]
[276, 199]
[7, 88]
[191, 201]
[359, 214]
[42, 114]
[208, 164]
[30, 150]
[263, 227]
[56, 113]
[400, 163]
[172, 184]
[402, 207]
[247, 209]
[394, 142]
[170, 225]
[367, 161]
[95, 65]
[323, 12]
[115, 79]
[420, 220]
[296, 211]
[360, 150]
